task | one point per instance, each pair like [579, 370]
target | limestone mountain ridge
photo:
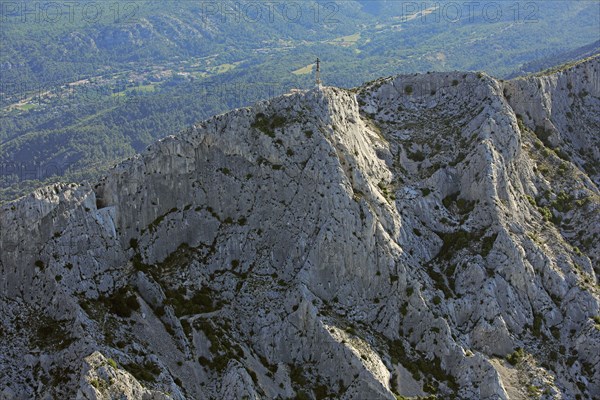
[421, 235]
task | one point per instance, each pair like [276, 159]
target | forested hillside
[84, 86]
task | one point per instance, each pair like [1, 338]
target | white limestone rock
[406, 237]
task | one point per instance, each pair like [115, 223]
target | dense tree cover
[153, 68]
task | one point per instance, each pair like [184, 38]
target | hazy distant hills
[557, 59]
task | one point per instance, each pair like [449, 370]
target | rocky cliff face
[433, 234]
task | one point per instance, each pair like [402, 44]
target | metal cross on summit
[318, 82]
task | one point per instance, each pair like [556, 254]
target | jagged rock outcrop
[102, 379]
[419, 234]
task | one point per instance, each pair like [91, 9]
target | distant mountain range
[557, 60]
[81, 90]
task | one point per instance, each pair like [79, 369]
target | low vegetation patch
[267, 125]
[199, 302]
[487, 243]
[144, 372]
[122, 302]
[546, 213]
[454, 242]
[51, 334]
[543, 134]
[221, 347]
[564, 202]
[154, 224]
[416, 156]
[454, 203]
[516, 356]
[420, 367]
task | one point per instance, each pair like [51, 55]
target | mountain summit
[422, 235]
